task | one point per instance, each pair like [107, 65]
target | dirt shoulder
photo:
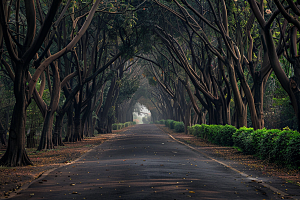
[12, 178]
[292, 176]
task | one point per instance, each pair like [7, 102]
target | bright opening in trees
[141, 114]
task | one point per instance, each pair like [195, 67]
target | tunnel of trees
[70, 69]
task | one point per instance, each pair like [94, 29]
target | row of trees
[67, 58]
[214, 59]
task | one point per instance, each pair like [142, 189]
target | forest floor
[11, 178]
[270, 169]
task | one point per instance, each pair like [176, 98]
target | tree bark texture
[15, 154]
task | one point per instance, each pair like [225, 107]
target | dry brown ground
[230, 153]
[11, 178]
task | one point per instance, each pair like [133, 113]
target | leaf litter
[12, 178]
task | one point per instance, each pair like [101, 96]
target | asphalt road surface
[146, 163]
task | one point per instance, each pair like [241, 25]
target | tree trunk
[187, 119]
[195, 119]
[85, 117]
[31, 141]
[239, 104]
[46, 141]
[211, 114]
[77, 125]
[258, 100]
[46, 137]
[109, 124]
[2, 134]
[69, 135]
[90, 130]
[108, 103]
[57, 137]
[15, 154]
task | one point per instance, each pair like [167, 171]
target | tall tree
[290, 85]
[21, 52]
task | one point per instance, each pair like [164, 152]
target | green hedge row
[278, 146]
[179, 127]
[172, 124]
[122, 125]
[217, 134]
[162, 121]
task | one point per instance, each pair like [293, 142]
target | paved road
[145, 163]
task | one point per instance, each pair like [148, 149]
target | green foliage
[170, 123]
[266, 143]
[111, 111]
[122, 126]
[179, 126]
[217, 134]
[241, 139]
[292, 151]
[162, 121]
[278, 146]
[119, 126]
[127, 89]
[226, 135]
[167, 122]
[277, 107]
[115, 126]
[152, 81]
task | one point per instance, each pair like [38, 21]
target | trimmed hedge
[170, 123]
[279, 146]
[162, 121]
[127, 124]
[122, 125]
[217, 134]
[115, 126]
[167, 122]
[179, 126]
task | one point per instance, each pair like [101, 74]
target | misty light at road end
[141, 114]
